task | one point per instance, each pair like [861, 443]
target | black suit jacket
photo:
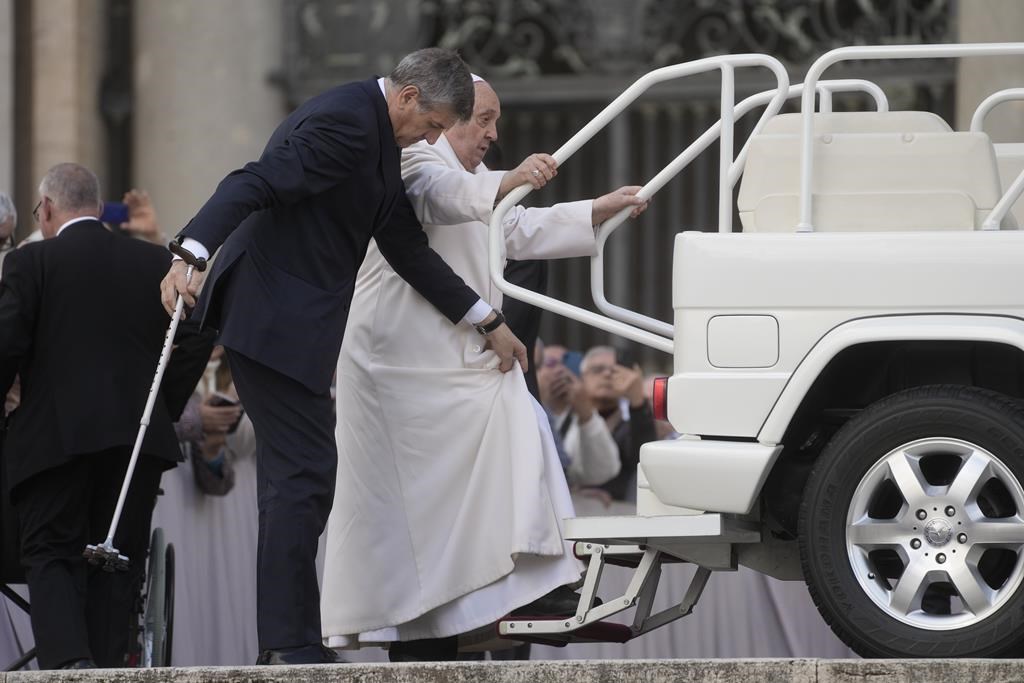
[81, 322]
[328, 180]
[522, 318]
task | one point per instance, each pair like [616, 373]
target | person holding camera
[203, 432]
[592, 453]
[615, 384]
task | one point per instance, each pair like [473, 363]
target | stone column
[7, 96]
[986, 22]
[203, 104]
[67, 47]
[58, 50]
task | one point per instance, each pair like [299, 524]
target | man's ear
[409, 94]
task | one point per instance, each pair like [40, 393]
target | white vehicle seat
[873, 171]
[861, 122]
[1010, 161]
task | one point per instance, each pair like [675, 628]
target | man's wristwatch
[486, 328]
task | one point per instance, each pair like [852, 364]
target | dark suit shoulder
[143, 249]
[19, 263]
[26, 252]
[349, 102]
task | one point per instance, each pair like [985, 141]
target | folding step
[599, 632]
[709, 527]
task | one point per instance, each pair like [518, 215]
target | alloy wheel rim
[935, 533]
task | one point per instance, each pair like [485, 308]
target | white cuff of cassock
[196, 247]
[480, 310]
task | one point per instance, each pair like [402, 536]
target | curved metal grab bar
[880, 52]
[674, 167]
[1016, 188]
[827, 88]
[990, 103]
[726, 64]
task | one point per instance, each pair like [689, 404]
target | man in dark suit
[295, 226]
[86, 365]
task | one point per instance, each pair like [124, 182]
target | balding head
[67, 191]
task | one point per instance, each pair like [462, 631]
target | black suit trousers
[80, 611]
[296, 464]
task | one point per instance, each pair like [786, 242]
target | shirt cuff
[194, 246]
[480, 310]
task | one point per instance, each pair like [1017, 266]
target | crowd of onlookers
[601, 415]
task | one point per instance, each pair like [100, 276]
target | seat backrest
[872, 181]
[1010, 162]
[861, 122]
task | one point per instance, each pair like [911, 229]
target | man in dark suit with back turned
[80, 323]
[295, 226]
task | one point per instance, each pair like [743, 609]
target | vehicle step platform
[627, 530]
[599, 632]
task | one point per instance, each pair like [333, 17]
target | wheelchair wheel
[169, 602]
[159, 611]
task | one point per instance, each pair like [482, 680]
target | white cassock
[449, 498]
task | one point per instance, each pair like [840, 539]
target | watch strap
[494, 324]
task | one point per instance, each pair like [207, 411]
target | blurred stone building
[170, 95]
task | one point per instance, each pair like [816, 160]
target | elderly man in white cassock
[450, 494]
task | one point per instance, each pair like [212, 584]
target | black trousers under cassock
[296, 464]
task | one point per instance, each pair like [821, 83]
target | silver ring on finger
[535, 172]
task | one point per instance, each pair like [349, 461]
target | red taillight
[659, 398]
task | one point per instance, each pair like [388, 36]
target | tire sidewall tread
[979, 416]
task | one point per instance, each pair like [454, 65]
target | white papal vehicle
[848, 370]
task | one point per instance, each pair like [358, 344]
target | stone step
[606, 671]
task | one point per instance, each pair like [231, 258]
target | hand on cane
[175, 283]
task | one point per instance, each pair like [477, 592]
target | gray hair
[442, 77]
[7, 210]
[71, 187]
[594, 351]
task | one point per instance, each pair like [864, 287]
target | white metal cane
[105, 553]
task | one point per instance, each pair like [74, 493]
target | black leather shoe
[307, 654]
[560, 602]
[79, 664]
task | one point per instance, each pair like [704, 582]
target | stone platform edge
[571, 671]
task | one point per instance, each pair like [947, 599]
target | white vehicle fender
[983, 328]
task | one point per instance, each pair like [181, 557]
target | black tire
[913, 527]
[154, 633]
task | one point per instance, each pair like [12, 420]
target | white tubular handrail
[1013, 192]
[1005, 203]
[827, 88]
[875, 52]
[496, 242]
[674, 167]
[990, 103]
